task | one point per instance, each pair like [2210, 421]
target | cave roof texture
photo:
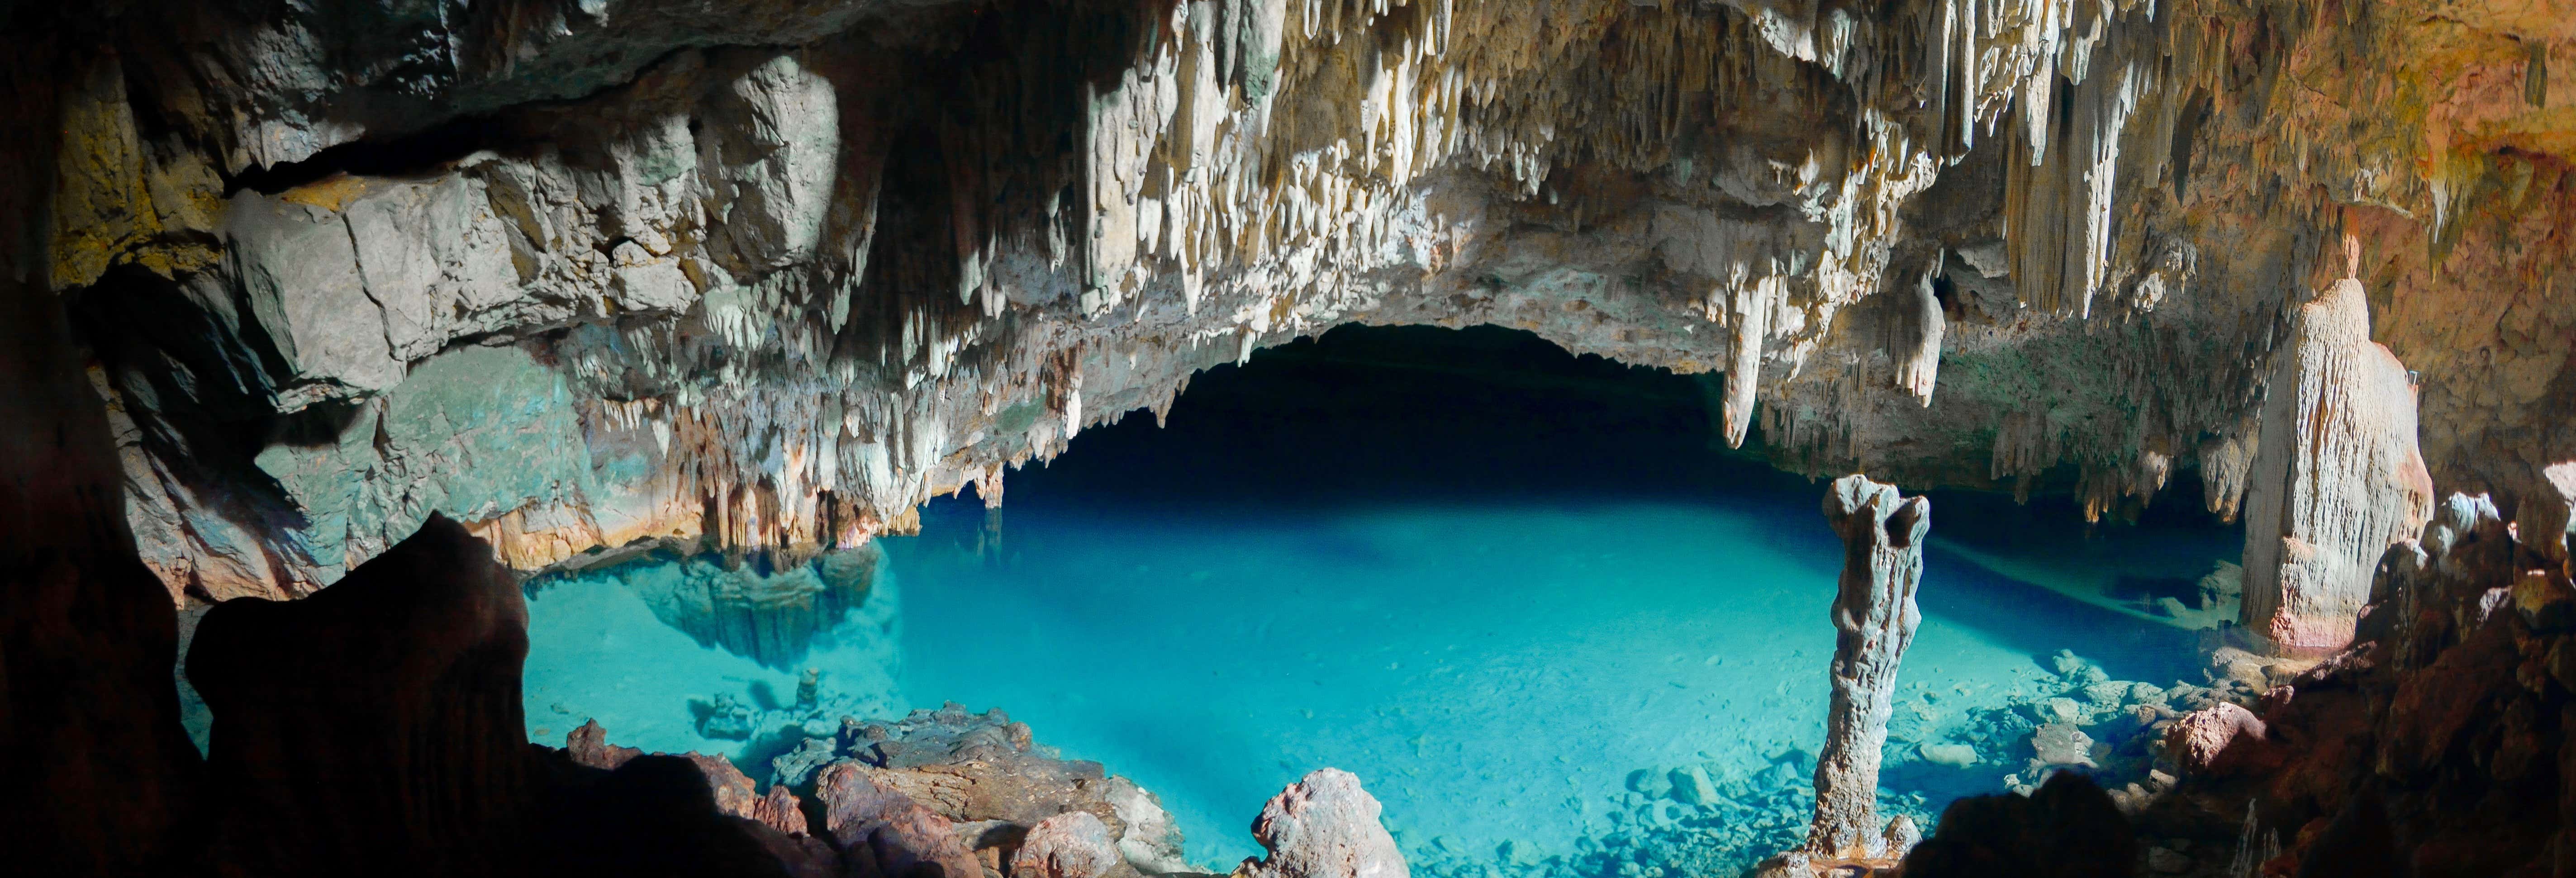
[771, 273]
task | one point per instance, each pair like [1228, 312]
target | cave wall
[768, 276]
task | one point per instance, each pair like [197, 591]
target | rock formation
[2199, 740]
[771, 616]
[407, 745]
[749, 274]
[1073, 844]
[2335, 479]
[2436, 738]
[1874, 619]
[2067, 828]
[1323, 826]
[893, 834]
[104, 782]
[761, 276]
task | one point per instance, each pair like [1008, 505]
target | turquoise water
[1495, 604]
[1492, 671]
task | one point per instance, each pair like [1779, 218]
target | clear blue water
[1492, 604]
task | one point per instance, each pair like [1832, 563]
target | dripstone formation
[287, 282]
[2336, 477]
[764, 275]
[1874, 620]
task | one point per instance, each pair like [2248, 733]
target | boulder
[1323, 826]
[1953, 755]
[2201, 739]
[1073, 844]
[399, 738]
[2066, 829]
[876, 824]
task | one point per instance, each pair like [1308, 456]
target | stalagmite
[2336, 477]
[1874, 621]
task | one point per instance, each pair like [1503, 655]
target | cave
[1466, 566]
[1468, 438]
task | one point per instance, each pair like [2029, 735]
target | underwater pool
[1520, 663]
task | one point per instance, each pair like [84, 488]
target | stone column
[1874, 621]
[2336, 477]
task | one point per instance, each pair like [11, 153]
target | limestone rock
[986, 770]
[1900, 837]
[899, 835]
[1691, 786]
[299, 270]
[2061, 745]
[1073, 844]
[1952, 755]
[2199, 741]
[2336, 479]
[792, 294]
[1323, 826]
[588, 746]
[1874, 618]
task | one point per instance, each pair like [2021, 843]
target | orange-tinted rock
[2215, 739]
[875, 824]
[1073, 844]
[588, 746]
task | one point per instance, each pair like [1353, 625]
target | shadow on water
[2033, 619]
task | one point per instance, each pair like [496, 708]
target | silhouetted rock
[652, 817]
[2068, 829]
[396, 740]
[99, 780]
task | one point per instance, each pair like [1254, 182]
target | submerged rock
[771, 618]
[1953, 755]
[2061, 745]
[1691, 786]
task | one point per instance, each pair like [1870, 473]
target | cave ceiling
[771, 273]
